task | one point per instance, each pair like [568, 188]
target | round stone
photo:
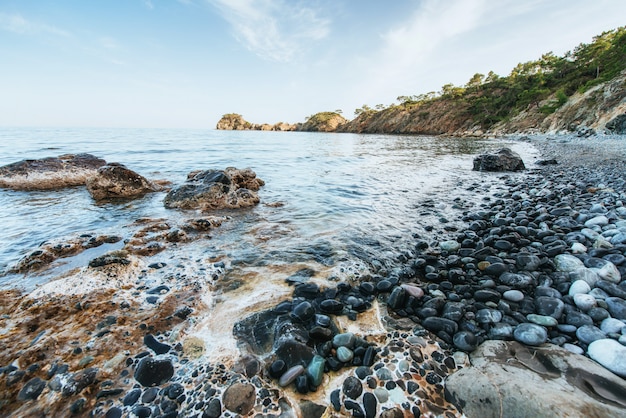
[609, 272]
[346, 339]
[573, 348]
[465, 341]
[240, 398]
[579, 286]
[303, 311]
[566, 262]
[153, 371]
[530, 334]
[550, 306]
[450, 246]
[599, 220]
[415, 291]
[290, 375]
[584, 302]
[589, 333]
[278, 368]
[381, 394]
[488, 316]
[352, 387]
[513, 295]
[616, 307]
[543, 320]
[32, 389]
[331, 306]
[586, 274]
[612, 325]
[610, 354]
[370, 404]
[315, 370]
[344, 354]
[520, 281]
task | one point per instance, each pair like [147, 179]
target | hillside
[582, 91]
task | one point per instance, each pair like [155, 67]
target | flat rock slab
[507, 379]
[50, 173]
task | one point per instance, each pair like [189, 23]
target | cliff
[583, 91]
[601, 108]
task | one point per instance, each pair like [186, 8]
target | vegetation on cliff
[323, 122]
[585, 88]
[543, 85]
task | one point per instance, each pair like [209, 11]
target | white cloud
[108, 43]
[273, 29]
[148, 4]
[17, 24]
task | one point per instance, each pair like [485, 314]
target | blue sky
[184, 63]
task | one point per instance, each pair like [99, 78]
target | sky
[185, 63]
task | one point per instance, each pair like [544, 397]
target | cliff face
[433, 118]
[601, 109]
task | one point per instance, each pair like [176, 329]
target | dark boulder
[501, 160]
[216, 189]
[617, 125]
[115, 181]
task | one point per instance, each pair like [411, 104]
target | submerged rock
[216, 189]
[50, 173]
[501, 160]
[114, 181]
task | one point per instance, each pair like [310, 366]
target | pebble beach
[537, 266]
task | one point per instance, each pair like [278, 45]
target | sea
[337, 200]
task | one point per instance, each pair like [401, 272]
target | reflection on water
[325, 190]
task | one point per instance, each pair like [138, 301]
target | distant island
[583, 92]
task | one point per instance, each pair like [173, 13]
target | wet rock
[216, 189]
[31, 389]
[518, 281]
[465, 341]
[239, 398]
[501, 160]
[115, 181]
[153, 371]
[290, 375]
[352, 387]
[589, 333]
[530, 334]
[538, 382]
[50, 173]
[156, 346]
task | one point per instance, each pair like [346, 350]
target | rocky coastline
[520, 313]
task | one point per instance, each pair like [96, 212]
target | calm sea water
[356, 195]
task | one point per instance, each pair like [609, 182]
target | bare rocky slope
[601, 109]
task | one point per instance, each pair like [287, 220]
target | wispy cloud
[274, 29]
[107, 42]
[432, 24]
[148, 4]
[16, 23]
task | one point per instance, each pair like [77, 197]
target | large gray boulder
[115, 181]
[510, 380]
[216, 189]
[502, 160]
[50, 173]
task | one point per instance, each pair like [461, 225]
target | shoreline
[167, 321]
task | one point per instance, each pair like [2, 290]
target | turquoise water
[356, 195]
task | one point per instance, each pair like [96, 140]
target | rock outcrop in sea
[50, 173]
[216, 189]
[115, 181]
